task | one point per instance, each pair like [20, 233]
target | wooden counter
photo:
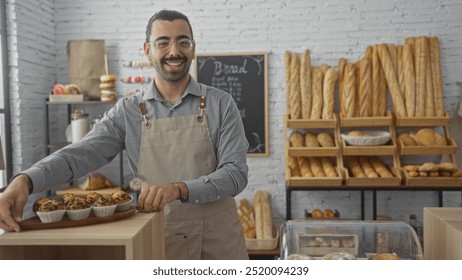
[442, 233]
[137, 237]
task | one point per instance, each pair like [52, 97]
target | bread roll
[440, 140]
[428, 167]
[287, 65]
[426, 137]
[420, 73]
[365, 88]
[330, 78]
[305, 167]
[350, 91]
[328, 167]
[380, 167]
[316, 105]
[396, 97]
[436, 74]
[456, 173]
[325, 139]
[355, 167]
[341, 72]
[305, 85]
[316, 167]
[311, 140]
[296, 139]
[367, 168]
[409, 80]
[295, 98]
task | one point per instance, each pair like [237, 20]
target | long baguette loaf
[409, 80]
[382, 91]
[368, 53]
[316, 105]
[367, 168]
[436, 74]
[396, 97]
[358, 83]
[316, 167]
[292, 163]
[380, 167]
[267, 220]
[330, 78]
[341, 93]
[305, 85]
[429, 95]
[295, 98]
[355, 167]
[400, 72]
[287, 58]
[296, 139]
[350, 90]
[376, 75]
[258, 219]
[420, 72]
[305, 167]
[328, 167]
[365, 88]
[324, 67]
[392, 51]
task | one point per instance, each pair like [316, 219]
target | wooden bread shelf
[451, 148]
[294, 182]
[308, 123]
[432, 181]
[379, 182]
[388, 149]
[422, 121]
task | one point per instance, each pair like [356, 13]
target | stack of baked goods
[368, 167]
[309, 89]
[430, 169]
[257, 222]
[96, 181]
[107, 86]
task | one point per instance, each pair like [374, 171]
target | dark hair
[169, 15]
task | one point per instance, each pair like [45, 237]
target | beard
[172, 75]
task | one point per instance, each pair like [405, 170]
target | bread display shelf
[389, 149]
[432, 181]
[451, 148]
[422, 121]
[308, 123]
[367, 121]
[381, 182]
[294, 182]
[308, 244]
[264, 244]
[34, 223]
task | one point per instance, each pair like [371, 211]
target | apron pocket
[183, 240]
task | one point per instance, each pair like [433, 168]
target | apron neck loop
[144, 112]
[202, 105]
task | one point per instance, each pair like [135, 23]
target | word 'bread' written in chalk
[225, 69]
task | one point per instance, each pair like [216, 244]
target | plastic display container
[363, 239]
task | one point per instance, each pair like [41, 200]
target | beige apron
[177, 149]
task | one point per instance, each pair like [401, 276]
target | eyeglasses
[164, 45]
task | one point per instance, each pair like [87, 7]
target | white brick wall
[39, 30]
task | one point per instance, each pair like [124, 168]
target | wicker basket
[264, 244]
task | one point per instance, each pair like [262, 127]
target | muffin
[122, 200]
[77, 208]
[104, 206]
[40, 202]
[50, 211]
[67, 197]
[92, 197]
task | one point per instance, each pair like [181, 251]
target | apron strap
[202, 104]
[144, 112]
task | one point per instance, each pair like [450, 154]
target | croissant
[96, 181]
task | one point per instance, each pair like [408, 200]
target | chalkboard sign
[245, 77]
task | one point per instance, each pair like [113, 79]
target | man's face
[171, 61]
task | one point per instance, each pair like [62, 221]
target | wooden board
[451, 148]
[389, 148]
[35, 223]
[303, 123]
[79, 192]
[367, 121]
[422, 121]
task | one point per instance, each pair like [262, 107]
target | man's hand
[12, 203]
[155, 197]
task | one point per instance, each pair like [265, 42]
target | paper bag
[86, 65]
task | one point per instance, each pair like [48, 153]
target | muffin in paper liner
[103, 211]
[51, 216]
[124, 205]
[78, 214]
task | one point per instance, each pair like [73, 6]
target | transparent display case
[361, 239]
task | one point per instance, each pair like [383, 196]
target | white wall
[39, 31]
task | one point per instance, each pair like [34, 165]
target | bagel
[107, 85]
[73, 89]
[108, 78]
[108, 95]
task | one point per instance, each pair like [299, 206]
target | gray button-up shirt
[120, 129]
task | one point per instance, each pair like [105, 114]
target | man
[184, 138]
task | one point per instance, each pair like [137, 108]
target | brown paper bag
[86, 65]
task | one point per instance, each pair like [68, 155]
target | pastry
[456, 173]
[96, 181]
[328, 213]
[67, 197]
[50, 205]
[104, 200]
[76, 203]
[40, 202]
[339, 256]
[108, 95]
[121, 197]
[92, 197]
[59, 89]
[73, 89]
[107, 85]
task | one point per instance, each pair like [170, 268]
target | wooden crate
[422, 121]
[386, 120]
[382, 182]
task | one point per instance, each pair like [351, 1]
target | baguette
[367, 168]
[436, 74]
[305, 85]
[382, 98]
[392, 51]
[429, 96]
[305, 167]
[311, 140]
[358, 83]
[292, 163]
[355, 167]
[350, 91]
[295, 102]
[258, 219]
[325, 139]
[267, 220]
[328, 167]
[376, 76]
[287, 58]
[341, 93]
[368, 53]
[380, 167]
[296, 139]
[365, 88]
[420, 73]
[324, 67]
[400, 72]
[330, 78]
[316, 167]
[396, 97]
[316, 104]
[409, 80]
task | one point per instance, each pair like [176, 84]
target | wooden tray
[35, 223]
[79, 192]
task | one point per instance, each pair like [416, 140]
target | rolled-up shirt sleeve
[230, 176]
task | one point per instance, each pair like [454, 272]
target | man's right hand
[12, 203]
